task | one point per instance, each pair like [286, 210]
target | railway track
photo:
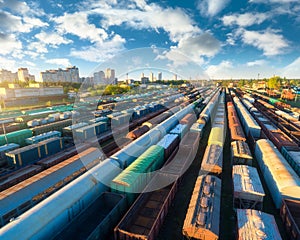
[292, 130]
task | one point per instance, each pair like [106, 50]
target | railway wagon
[31, 153]
[55, 126]
[19, 198]
[203, 214]
[170, 143]
[216, 136]
[248, 192]
[90, 131]
[136, 176]
[212, 161]
[146, 216]
[254, 224]
[235, 127]
[281, 179]
[98, 220]
[185, 155]
[290, 215]
[139, 131]
[292, 155]
[180, 129]
[240, 153]
[19, 175]
[42, 137]
[248, 122]
[4, 149]
[17, 137]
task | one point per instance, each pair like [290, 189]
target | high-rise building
[151, 78]
[159, 76]
[99, 77]
[24, 76]
[175, 77]
[70, 74]
[7, 76]
[110, 76]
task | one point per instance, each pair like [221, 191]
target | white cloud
[257, 63]
[251, 70]
[192, 49]
[268, 41]
[59, 61]
[77, 24]
[201, 45]
[9, 44]
[14, 24]
[100, 51]
[173, 21]
[52, 38]
[211, 8]
[244, 20]
[37, 47]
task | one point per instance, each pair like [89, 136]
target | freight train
[66, 203]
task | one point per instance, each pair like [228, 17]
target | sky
[214, 39]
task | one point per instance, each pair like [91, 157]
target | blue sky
[215, 38]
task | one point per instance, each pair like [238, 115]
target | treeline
[275, 82]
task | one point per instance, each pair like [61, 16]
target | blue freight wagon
[4, 149]
[32, 153]
[42, 137]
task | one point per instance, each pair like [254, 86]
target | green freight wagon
[135, 177]
[17, 137]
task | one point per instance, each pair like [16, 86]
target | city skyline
[248, 39]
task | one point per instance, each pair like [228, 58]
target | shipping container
[135, 177]
[254, 224]
[240, 153]
[290, 215]
[98, 220]
[203, 214]
[212, 161]
[146, 216]
[248, 192]
[292, 155]
[281, 179]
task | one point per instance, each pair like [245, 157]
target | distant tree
[274, 82]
